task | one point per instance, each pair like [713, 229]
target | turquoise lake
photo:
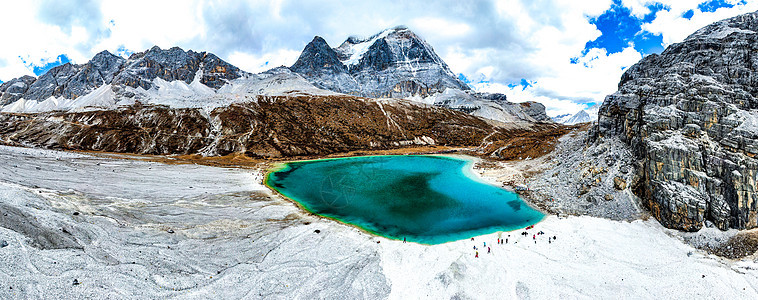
[425, 199]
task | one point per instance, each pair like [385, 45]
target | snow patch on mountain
[354, 48]
[561, 118]
[179, 94]
[101, 98]
[274, 82]
[479, 104]
[582, 116]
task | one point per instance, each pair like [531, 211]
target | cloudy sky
[566, 54]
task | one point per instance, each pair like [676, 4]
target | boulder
[619, 183]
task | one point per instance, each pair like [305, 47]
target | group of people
[501, 241]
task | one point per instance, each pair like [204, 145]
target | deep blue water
[425, 199]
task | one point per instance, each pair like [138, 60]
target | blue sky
[42, 67]
[620, 28]
[566, 54]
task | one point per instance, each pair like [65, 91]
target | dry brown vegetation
[280, 128]
[742, 244]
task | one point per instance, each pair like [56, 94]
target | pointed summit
[318, 57]
[321, 65]
[106, 64]
[392, 63]
[175, 64]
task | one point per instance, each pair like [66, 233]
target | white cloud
[259, 63]
[639, 8]
[441, 28]
[499, 42]
[674, 28]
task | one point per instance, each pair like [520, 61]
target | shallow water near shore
[424, 199]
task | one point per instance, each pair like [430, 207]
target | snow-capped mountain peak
[172, 77]
[583, 116]
[352, 50]
[394, 63]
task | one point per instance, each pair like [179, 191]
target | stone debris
[619, 183]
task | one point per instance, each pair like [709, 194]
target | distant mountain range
[71, 81]
[395, 63]
[583, 116]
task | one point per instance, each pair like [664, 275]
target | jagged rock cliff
[689, 115]
[14, 89]
[271, 126]
[175, 64]
[321, 65]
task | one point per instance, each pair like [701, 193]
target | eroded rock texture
[690, 116]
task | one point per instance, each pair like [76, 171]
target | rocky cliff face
[71, 81]
[321, 65]
[689, 115]
[271, 127]
[14, 89]
[175, 64]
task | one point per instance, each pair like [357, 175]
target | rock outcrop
[321, 65]
[689, 115]
[71, 81]
[175, 64]
[14, 89]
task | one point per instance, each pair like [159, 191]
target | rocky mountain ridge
[71, 81]
[397, 63]
[689, 115]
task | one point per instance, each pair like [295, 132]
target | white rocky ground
[152, 230]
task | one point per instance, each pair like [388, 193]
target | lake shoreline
[466, 171]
